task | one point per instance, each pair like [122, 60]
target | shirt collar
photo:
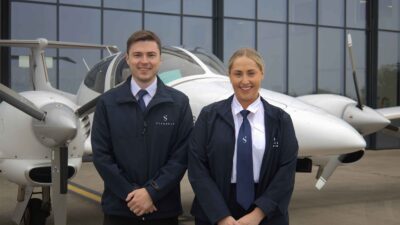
[151, 89]
[253, 107]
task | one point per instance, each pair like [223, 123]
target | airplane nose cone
[319, 133]
[366, 121]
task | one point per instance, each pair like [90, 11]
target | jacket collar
[125, 95]
[225, 111]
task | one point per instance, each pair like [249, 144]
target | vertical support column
[5, 33]
[218, 28]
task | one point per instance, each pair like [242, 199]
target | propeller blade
[21, 103]
[59, 177]
[353, 66]
[326, 171]
[87, 108]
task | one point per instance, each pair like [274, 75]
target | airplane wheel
[34, 213]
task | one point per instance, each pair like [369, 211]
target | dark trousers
[120, 220]
[236, 210]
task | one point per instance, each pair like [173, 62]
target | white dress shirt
[256, 119]
[151, 90]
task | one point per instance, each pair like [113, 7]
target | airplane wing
[391, 113]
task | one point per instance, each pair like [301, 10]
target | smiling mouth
[245, 88]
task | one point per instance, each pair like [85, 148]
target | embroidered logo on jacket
[275, 143]
[165, 121]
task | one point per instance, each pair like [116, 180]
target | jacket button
[143, 218]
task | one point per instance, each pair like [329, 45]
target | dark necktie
[140, 94]
[244, 164]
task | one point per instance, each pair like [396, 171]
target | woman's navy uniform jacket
[134, 149]
[211, 156]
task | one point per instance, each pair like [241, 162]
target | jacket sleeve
[170, 175]
[103, 156]
[276, 197]
[210, 198]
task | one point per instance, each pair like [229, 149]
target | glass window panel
[197, 32]
[168, 6]
[388, 68]
[302, 11]
[166, 27]
[330, 60]
[237, 34]
[124, 4]
[118, 26]
[272, 10]
[356, 13]
[359, 54]
[272, 45]
[236, 8]
[302, 60]
[82, 2]
[389, 14]
[196, 7]
[73, 73]
[31, 21]
[49, 1]
[331, 12]
[78, 25]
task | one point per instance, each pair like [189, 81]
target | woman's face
[246, 79]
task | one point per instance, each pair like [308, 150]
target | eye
[152, 55]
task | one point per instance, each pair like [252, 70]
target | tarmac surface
[364, 193]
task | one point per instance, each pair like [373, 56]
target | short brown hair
[249, 53]
[143, 35]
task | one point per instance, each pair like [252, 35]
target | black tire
[34, 213]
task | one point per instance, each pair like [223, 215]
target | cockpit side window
[95, 78]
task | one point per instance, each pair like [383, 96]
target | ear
[126, 57]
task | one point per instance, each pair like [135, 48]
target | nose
[144, 59]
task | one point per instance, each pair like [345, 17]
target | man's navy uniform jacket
[134, 149]
[211, 156]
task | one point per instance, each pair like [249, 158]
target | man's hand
[229, 220]
[140, 202]
[253, 218]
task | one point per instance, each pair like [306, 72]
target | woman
[243, 153]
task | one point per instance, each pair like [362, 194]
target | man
[139, 142]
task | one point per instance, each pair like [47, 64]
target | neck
[143, 84]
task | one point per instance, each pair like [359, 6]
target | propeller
[353, 66]
[55, 125]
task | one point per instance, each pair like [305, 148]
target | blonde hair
[249, 53]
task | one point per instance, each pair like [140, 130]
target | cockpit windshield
[174, 65]
[211, 61]
[96, 77]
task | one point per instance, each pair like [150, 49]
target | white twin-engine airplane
[44, 133]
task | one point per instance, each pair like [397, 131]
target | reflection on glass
[32, 21]
[356, 13]
[388, 68]
[236, 8]
[389, 14]
[80, 2]
[79, 24]
[271, 42]
[237, 34]
[72, 74]
[49, 1]
[124, 4]
[331, 12]
[272, 10]
[166, 27]
[302, 11]
[196, 7]
[359, 54]
[330, 60]
[197, 32]
[302, 60]
[168, 6]
[118, 26]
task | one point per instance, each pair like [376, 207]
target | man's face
[143, 59]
